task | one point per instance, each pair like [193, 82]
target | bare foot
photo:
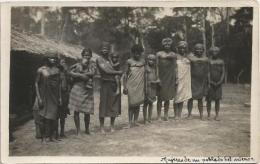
[63, 136]
[112, 129]
[87, 132]
[216, 118]
[102, 131]
[189, 117]
[166, 118]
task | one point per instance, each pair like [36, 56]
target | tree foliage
[228, 28]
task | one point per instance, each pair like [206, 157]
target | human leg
[159, 109]
[87, 121]
[180, 106]
[190, 106]
[145, 111]
[166, 109]
[200, 107]
[217, 107]
[150, 112]
[208, 108]
[102, 121]
[62, 125]
[112, 124]
[77, 122]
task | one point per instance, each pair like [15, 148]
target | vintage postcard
[130, 82]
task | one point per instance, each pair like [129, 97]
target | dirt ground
[230, 136]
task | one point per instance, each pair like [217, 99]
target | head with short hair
[198, 49]
[114, 57]
[214, 51]
[86, 55]
[137, 51]
[52, 59]
[167, 43]
[105, 48]
[151, 59]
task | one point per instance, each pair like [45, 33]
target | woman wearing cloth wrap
[81, 96]
[199, 78]
[47, 86]
[166, 64]
[134, 83]
[216, 78]
[183, 91]
[109, 101]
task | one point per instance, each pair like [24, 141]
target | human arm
[222, 75]
[75, 72]
[37, 80]
[157, 68]
[107, 70]
[125, 76]
[60, 89]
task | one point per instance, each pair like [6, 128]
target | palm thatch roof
[41, 45]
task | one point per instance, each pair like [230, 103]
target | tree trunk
[185, 24]
[227, 41]
[43, 21]
[204, 36]
[185, 29]
[212, 35]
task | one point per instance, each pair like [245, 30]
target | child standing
[116, 65]
[199, 78]
[183, 91]
[166, 65]
[151, 81]
[134, 83]
[215, 78]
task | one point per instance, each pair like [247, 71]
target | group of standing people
[164, 76]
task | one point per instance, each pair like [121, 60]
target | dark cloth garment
[109, 102]
[49, 86]
[47, 127]
[199, 76]
[116, 66]
[216, 72]
[150, 88]
[167, 76]
[63, 110]
[135, 82]
[82, 96]
[110, 105]
[37, 122]
[214, 92]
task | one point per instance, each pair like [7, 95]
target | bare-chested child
[116, 65]
[151, 81]
[215, 78]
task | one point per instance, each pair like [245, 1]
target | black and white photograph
[130, 81]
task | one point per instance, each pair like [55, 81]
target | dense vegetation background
[228, 28]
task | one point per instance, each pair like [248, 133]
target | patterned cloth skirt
[81, 99]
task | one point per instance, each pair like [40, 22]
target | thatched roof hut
[28, 52]
[41, 45]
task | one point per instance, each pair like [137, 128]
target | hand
[40, 103]
[120, 72]
[60, 102]
[157, 81]
[125, 91]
